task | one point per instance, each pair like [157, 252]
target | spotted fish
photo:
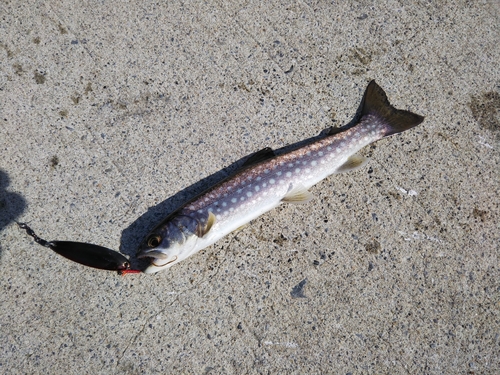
[267, 180]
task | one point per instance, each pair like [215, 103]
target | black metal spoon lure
[85, 253]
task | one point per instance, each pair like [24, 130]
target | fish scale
[267, 180]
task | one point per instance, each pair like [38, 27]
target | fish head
[170, 243]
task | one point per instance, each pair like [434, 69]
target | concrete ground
[113, 113]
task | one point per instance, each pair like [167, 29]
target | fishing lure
[85, 253]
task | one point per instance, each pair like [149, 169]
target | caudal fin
[395, 121]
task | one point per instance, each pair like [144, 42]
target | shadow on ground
[12, 205]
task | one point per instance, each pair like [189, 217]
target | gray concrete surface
[112, 113]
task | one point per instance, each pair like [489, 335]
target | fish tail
[376, 104]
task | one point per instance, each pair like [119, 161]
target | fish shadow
[135, 233]
[12, 205]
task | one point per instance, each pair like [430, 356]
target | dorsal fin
[259, 156]
[334, 130]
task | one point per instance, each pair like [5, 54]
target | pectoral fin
[202, 230]
[353, 162]
[298, 194]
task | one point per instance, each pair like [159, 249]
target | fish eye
[154, 240]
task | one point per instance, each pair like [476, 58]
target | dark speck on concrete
[298, 290]
[485, 111]
[39, 78]
[373, 247]
[54, 161]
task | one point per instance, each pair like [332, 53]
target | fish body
[266, 180]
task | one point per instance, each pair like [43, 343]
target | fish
[268, 179]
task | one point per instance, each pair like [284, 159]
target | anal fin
[298, 194]
[353, 162]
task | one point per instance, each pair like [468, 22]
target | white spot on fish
[242, 199]
[290, 165]
[257, 188]
[329, 148]
[272, 181]
[297, 170]
[320, 153]
[264, 184]
[313, 163]
[218, 210]
[233, 200]
[224, 204]
[279, 173]
[249, 194]
[258, 178]
[266, 170]
[289, 174]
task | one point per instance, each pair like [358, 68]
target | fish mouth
[153, 263]
[157, 254]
